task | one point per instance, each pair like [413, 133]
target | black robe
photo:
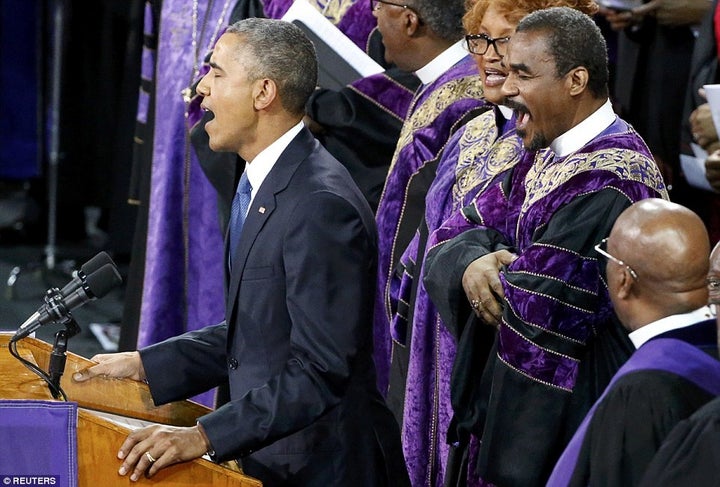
[690, 454]
[637, 414]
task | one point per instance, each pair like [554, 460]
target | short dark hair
[573, 40]
[283, 53]
[444, 17]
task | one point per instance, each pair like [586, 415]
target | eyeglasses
[713, 285]
[375, 5]
[603, 252]
[480, 43]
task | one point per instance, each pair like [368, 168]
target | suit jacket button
[233, 363]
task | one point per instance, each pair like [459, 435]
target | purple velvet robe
[474, 157]
[436, 111]
[385, 92]
[556, 308]
[183, 284]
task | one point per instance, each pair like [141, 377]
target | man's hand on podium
[115, 365]
[150, 449]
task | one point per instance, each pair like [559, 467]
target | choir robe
[665, 381]
[689, 456]
[475, 155]
[436, 111]
[361, 124]
[558, 343]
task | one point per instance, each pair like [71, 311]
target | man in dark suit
[296, 342]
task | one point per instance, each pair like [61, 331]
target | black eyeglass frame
[489, 41]
[374, 4]
[606, 254]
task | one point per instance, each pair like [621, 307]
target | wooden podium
[98, 438]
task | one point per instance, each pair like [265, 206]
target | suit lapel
[263, 205]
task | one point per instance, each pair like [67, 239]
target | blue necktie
[239, 210]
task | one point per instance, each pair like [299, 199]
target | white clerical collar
[442, 62]
[584, 132]
[674, 322]
[506, 112]
[260, 167]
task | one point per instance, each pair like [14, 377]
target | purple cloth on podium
[436, 111]
[665, 354]
[39, 443]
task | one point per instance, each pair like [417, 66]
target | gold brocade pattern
[334, 10]
[438, 101]
[546, 175]
[483, 156]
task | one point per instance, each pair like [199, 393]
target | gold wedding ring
[149, 457]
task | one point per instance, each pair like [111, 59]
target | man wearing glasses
[424, 37]
[656, 266]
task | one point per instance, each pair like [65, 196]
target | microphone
[57, 305]
[85, 270]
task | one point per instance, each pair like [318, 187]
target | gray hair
[283, 53]
[444, 17]
[574, 40]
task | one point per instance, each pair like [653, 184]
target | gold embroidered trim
[546, 175]
[334, 10]
[438, 101]
[483, 155]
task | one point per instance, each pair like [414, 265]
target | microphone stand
[58, 356]
[58, 8]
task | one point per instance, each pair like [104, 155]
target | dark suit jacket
[296, 343]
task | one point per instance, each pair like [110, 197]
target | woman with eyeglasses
[473, 160]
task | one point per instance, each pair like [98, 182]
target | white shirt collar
[442, 62]
[506, 112]
[674, 322]
[584, 132]
[260, 167]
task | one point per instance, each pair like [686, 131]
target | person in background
[296, 343]
[424, 37]
[525, 261]
[656, 267]
[654, 51]
[698, 125]
[360, 123]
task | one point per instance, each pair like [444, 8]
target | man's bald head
[667, 246]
